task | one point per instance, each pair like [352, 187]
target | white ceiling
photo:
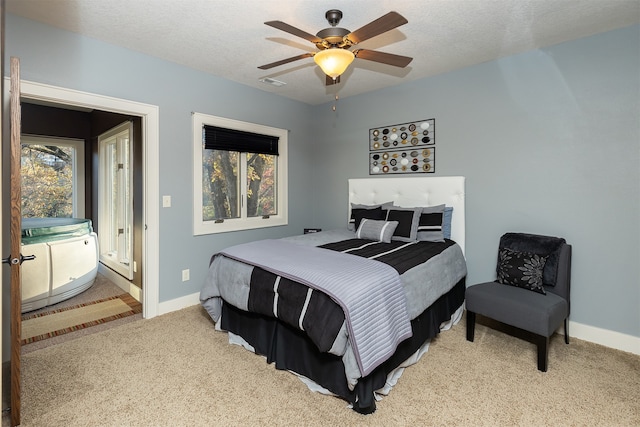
[229, 38]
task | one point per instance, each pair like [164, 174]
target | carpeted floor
[176, 370]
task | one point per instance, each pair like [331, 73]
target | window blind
[216, 138]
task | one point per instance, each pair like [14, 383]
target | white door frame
[151, 166]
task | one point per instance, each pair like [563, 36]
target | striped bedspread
[369, 292]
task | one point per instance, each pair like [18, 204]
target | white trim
[179, 303]
[605, 337]
[243, 223]
[120, 281]
[150, 115]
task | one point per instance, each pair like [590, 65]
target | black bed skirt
[290, 349]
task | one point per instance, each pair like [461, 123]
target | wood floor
[102, 288]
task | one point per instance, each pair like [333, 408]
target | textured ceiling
[229, 38]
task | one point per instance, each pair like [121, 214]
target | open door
[15, 258]
[115, 194]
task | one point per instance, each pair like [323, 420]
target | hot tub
[66, 263]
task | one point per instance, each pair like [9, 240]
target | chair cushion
[531, 311]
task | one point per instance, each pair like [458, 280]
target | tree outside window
[47, 181]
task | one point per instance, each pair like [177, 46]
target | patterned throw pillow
[521, 269]
[380, 231]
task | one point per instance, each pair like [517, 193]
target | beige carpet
[175, 370]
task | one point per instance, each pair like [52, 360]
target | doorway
[149, 119]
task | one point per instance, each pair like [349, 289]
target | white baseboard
[121, 282]
[605, 337]
[178, 303]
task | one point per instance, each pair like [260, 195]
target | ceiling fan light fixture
[334, 61]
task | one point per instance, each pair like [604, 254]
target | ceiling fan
[334, 43]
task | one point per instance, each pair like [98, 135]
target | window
[239, 175]
[52, 172]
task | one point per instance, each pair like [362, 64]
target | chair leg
[566, 331]
[471, 325]
[543, 353]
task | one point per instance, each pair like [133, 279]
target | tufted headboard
[414, 191]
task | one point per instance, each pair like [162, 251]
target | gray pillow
[446, 223]
[380, 231]
[352, 225]
[431, 224]
[407, 223]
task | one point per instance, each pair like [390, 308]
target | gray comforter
[369, 291]
[229, 279]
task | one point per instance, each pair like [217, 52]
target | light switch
[166, 201]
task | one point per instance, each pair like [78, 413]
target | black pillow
[540, 245]
[407, 223]
[375, 214]
[521, 269]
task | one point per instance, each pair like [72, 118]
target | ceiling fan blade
[285, 61]
[381, 25]
[382, 57]
[293, 30]
[330, 81]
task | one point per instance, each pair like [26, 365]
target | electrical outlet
[185, 275]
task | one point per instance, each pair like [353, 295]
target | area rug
[49, 324]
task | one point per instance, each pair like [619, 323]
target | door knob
[20, 260]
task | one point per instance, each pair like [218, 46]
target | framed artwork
[403, 148]
[416, 160]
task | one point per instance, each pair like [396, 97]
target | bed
[348, 309]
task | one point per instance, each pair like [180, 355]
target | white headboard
[414, 191]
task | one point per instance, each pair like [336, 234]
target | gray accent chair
[537, 313]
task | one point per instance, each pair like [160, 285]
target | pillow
[352, 225]
[521, 269]
[407, 218]
[380, 231]
[431, 224]
[446, 223]
[539, 245]
[359, 214]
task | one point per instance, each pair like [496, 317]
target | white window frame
[200, 226]
[78, 165]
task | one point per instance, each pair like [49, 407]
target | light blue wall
[60, 58]
[549, 141]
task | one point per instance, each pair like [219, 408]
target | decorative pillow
[537, 244]
[359, 214]
[521, 269]
[446, 223]
[431, 224]
[407, 218]
[380, 231]
[352, 221]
